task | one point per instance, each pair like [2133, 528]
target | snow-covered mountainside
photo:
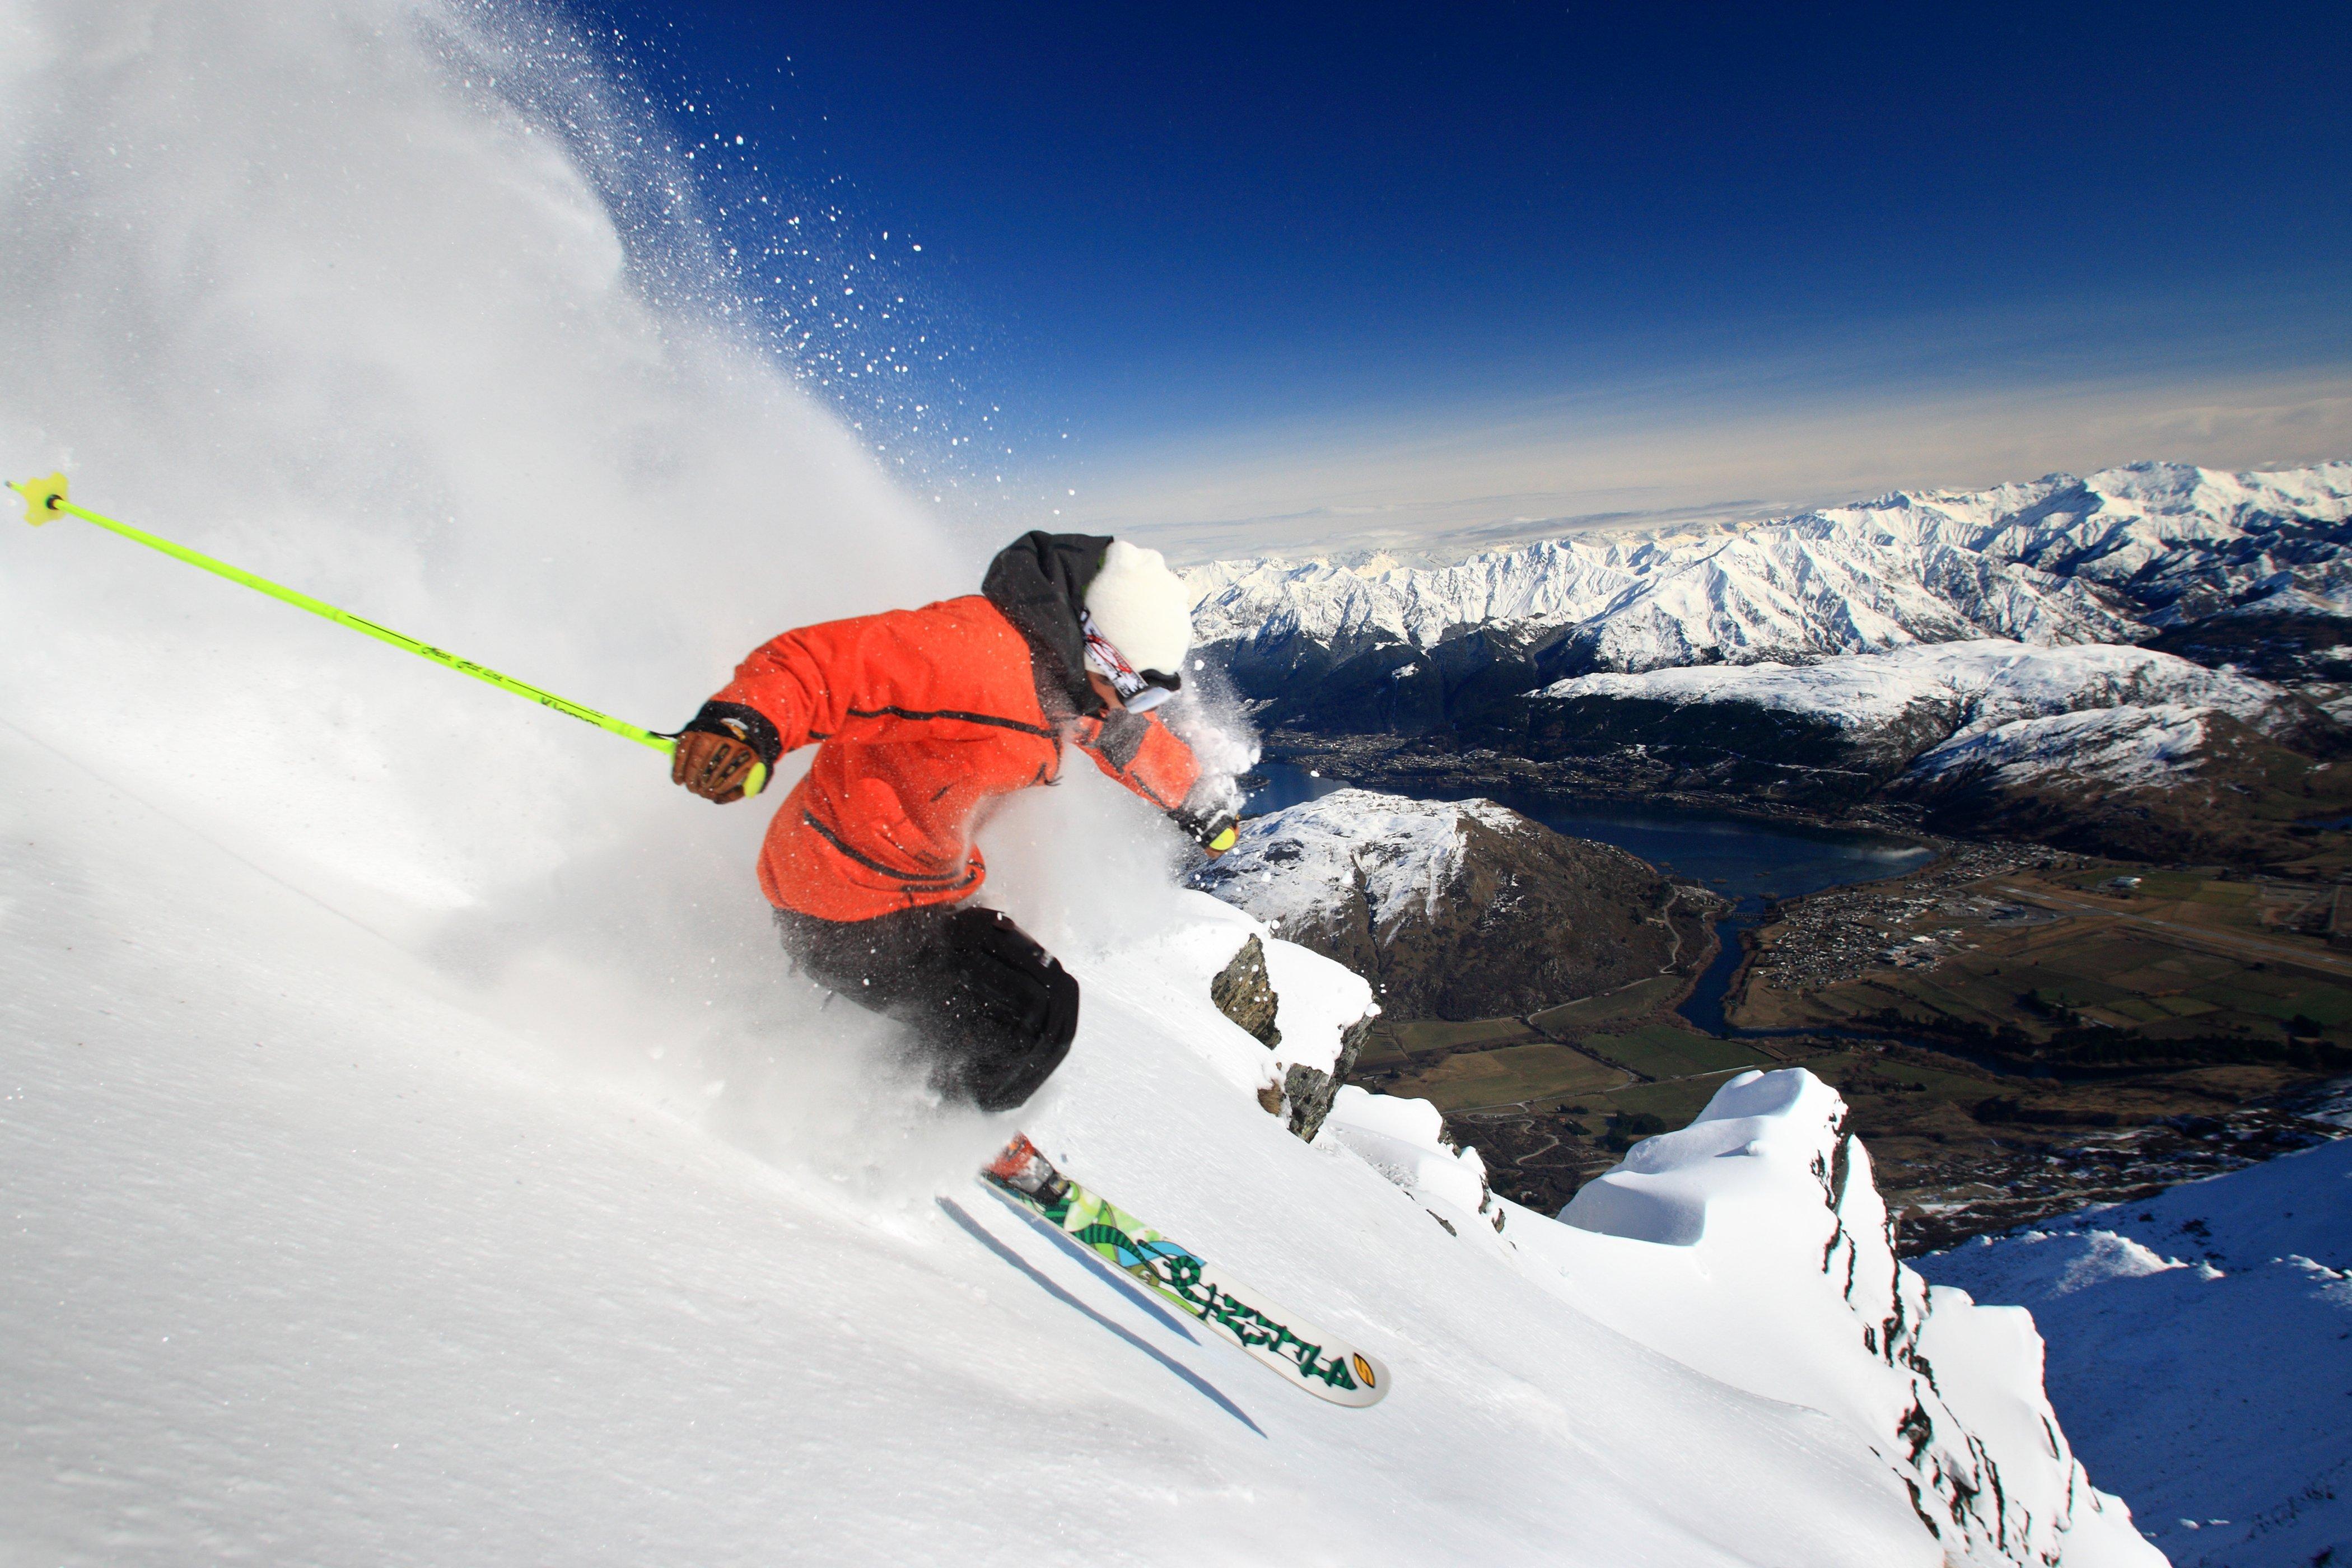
[1948, 713]
[1763, 1208]
[2130, 746]
[1956, 723]
[2107, 558]
[1813, 662]
[2166, 780]
[2197, 1353]
[1395, 856]
[1958, 686]
[1460, 910]
[319, 1253]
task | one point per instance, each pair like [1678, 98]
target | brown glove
[715, 767]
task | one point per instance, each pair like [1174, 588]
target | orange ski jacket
[920, 718]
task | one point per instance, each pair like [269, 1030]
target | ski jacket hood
[1039, 582]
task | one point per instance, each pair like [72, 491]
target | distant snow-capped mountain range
[2154, 660]
[2119, 556]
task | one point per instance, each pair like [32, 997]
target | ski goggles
[1140, 689]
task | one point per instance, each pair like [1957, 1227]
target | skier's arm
[789, 693]
[1146, 756]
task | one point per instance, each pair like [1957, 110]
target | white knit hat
[1141, 607]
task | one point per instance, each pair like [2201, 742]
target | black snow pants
[995, 1012]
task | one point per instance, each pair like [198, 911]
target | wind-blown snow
[338, 292]
[2045, 563]
[2197, 1353]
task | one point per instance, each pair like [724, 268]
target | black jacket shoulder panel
[1039, 582]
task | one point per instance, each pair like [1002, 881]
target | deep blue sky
[1247, 232]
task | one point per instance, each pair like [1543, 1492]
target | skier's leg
[1012, 1009]
[995, 1009]
[877, 964]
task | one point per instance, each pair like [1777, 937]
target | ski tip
[43, 497]
[1371, 1375]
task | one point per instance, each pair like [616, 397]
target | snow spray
[414, 303]
[48, 498]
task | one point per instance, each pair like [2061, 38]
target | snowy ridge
[1405, 1141]
[2062, 560]
[1294, 867]
[2199, 1361]
[2124, 747]
[1766, 1194]
[1552, 582]
[1979, 684]
[1753, 1244]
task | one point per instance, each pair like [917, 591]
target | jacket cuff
[738, 722]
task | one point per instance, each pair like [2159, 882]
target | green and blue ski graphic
[1316, 1361]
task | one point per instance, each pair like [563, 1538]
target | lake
[1746, 860]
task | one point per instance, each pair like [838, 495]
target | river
[1746, 860]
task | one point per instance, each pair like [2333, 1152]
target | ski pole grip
[753, 782]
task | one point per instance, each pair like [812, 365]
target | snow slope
[1752, 1243]
[2061, 561]
[2197, 1353]
[311, 1256]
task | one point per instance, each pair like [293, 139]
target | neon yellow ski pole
[45, 499]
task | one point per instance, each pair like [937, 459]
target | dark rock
[1243, 993]
[1311, 1091]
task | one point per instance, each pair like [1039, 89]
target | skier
[920, 718]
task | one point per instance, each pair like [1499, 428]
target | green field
[1574, 1020]
[1421, 1034]
[2115, 976]
[1396, 1045]
[1661, 1050]
[1508, 1075]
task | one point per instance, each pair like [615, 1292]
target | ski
[1301, 1355]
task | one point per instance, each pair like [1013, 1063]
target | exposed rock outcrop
[1244, 993]
[1307, 1092]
